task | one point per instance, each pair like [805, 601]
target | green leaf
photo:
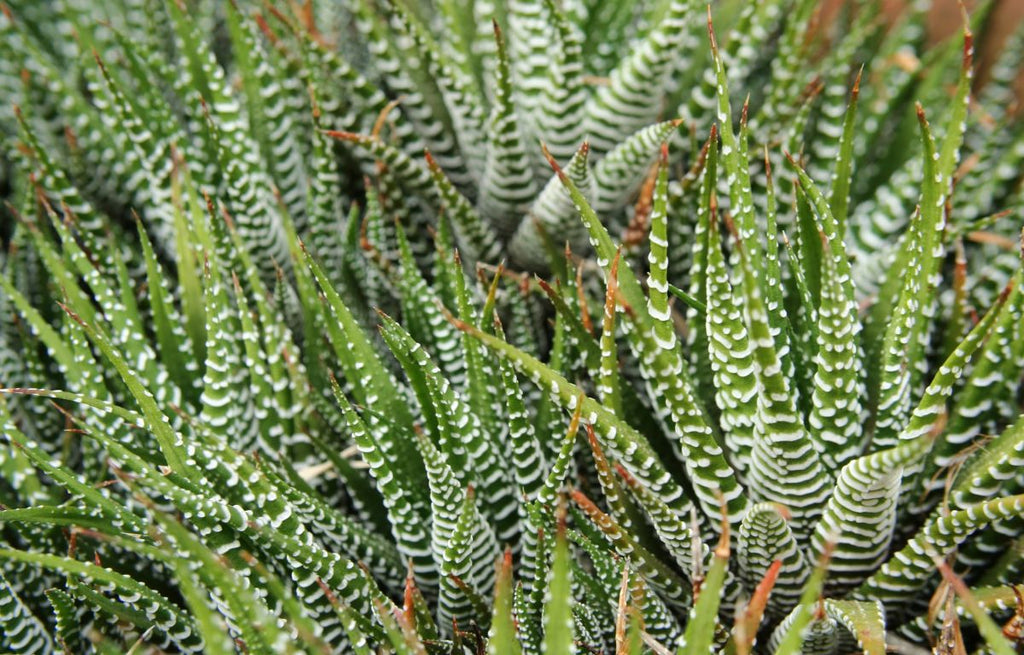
[976, 409]
[422, 315]
[507, 186]
[407, 513]
[608, 383]
[457, 430]
[152, 135]
[982, 478]
[859, 520]
[698, 341]
[839, 191]
[246, 186]
[764, 538]
[616, 435]
[734, 159]
[663, 371]
[477, 238]
[909, 568]
[228, 407]
[558, 621]
[788, 636]
[865, 621]
[619, 173]
[157, 422]
[428, 88]
[790, 70]
[921, 254]
[729, 349]
[670, 585]
[559, 116]
[786, 468]
[457, 567]
[68, 631]
[700, 631]
[527, 455]
[632, 98]
[160, 611]
[211, 626]
[502, 638]
[552, 217]
[372, 383]
[657, 277]
[837, 387]
[22, 631]
[446, 498]
[253, 619]
[932, 406]
[277, 110]
[171, 337]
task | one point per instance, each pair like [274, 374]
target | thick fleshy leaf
[764, 538]
[921, 253]
[664, 374]
[507, 186]
[630, 100]
[558, 623]
[700, 631]
[908, 570]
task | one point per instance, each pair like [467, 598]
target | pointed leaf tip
[968, 58]
[461, 325]
[748, 623]
[582, 500]
[783, 511]
[626, 476]
[711, 32]
[551, 162]
[343, 135]
[722, 549]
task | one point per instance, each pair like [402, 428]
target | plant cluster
[507, 327]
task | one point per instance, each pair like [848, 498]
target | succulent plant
[394, 326]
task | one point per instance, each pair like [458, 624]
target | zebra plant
[268, 386]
